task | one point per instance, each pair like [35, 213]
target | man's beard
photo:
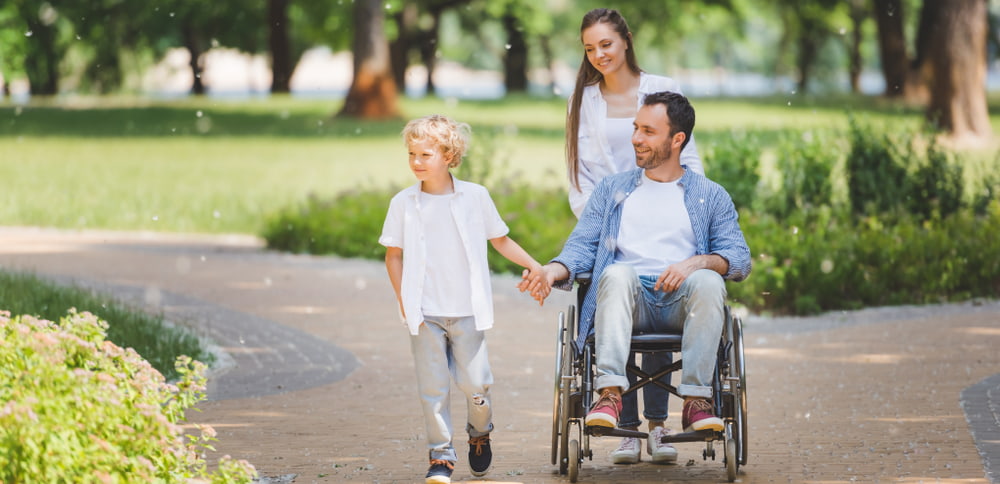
[657, 157]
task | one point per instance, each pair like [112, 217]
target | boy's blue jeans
[442, 349]
[627, 304]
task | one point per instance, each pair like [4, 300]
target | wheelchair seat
[651, 342]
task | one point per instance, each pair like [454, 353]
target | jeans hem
[694, 391]
[608, 381]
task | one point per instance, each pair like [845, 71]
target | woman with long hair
[609, 89]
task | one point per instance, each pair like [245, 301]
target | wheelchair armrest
[583, 278]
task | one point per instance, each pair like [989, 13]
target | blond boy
[443, 288]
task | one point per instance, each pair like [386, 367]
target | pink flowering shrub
[77, 408]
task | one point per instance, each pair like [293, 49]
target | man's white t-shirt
[653, 236]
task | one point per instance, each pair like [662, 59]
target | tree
[515, 61]
[40, 24]
[280, 46]
[892, 47]
[858, 13]
[957, 67]
[12, 48]
[807, 26]
[418, 26]
[373, 90]
[107, 30]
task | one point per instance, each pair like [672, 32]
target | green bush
[937, 184]
[805, 164]
[732, 162]
[77, 408]
[149, 335]
[903, 174]
[876, 171]
[348, 225]
[822, 262]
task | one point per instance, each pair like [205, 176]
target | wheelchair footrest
[615, 432]
[697, 436]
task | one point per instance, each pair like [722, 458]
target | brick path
[319, 380]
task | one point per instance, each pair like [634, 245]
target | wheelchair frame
[574, 392]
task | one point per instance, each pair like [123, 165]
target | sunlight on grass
[205, 165]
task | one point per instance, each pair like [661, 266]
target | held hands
[538, 281]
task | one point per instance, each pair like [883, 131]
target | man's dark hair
[679, 111]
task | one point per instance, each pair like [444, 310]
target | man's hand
[675, 275]
[539, 281]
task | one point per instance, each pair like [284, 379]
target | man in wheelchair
[659, 242]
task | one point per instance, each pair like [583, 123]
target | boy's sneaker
[698, 415]
[627, 452]
[480, 455]
[660, 452]
[605, 411]
[440, 472]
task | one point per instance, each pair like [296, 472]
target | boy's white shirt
[477, 220]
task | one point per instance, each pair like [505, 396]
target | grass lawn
[205, 165]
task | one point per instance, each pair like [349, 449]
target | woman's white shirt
[597, 156]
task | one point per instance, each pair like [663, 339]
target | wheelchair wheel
[557, 416]
[739, 365]
[731, 462]
[562, 411]
[574, 460]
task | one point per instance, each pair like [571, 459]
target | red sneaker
[605, 411]
[698, 415]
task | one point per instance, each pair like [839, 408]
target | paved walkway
[318, 381]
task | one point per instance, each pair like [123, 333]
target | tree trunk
[105, 72]
[428, 48]
[373, 91]
[956, 56]
[193, 46]
[281, 51]
[41, 63]
[515, 63]
[892, 46]
[546, 45]
[399, 49]
[858, 15]
[810, 37]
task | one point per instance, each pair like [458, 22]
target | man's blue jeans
[627, 304]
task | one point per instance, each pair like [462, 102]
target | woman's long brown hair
[588, 75]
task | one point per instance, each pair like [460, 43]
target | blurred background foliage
[848, 195]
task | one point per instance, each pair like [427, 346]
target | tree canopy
[95, 46]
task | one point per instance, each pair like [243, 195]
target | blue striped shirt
[592, 244]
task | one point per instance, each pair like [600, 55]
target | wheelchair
[575, 370]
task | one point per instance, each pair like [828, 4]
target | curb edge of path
[256, 357]
[981, 403]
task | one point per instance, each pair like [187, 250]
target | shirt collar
[460, 188]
